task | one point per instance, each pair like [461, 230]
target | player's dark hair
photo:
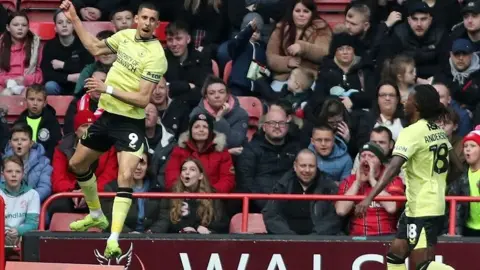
[177, 26]
[104, 34]
[36, 88]
[22, 127]
[149, 5]
[212, 79]
[382, 129]
[428, 103]
[120, 9]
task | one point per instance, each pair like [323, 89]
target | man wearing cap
[420, 39]
[470, 28]
[63, 180]
[381, 217]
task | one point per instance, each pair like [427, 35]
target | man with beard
[470, 28]
[267, 157]
[424, 149]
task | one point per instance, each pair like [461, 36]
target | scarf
[460, 77]
[212, 112]
[32, 67]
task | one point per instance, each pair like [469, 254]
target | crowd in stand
[333, 108]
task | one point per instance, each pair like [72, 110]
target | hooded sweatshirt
[37, 170]
[338, 164]
[22, 208]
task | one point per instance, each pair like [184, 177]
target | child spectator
[95, 10]
[332, 153]
[104, 63]
[122, 18]
[63, 58]
[22, 203]
[230, 119]
[203, 216]
[143, 212]
[202, 143]
[401, 70]
[20, 56]
[41, 117]
[248, 53]
[381, 217]
[63, 180]
[37, 169]
[467, 217]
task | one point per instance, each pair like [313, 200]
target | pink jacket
[18, 67]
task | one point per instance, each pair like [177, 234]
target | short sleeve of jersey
[406, 144]
[113, 42]
[155, 67]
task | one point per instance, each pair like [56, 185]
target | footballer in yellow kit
[423, 149]
[139, 67]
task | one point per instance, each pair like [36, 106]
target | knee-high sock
[439, 266]
[88, 184]
[121, 206]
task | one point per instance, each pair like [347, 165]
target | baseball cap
[471, 7]
[462, 45]
[419, 7]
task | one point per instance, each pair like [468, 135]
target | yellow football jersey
[425, 146]
[136, 59]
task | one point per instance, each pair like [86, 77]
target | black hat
[204, 117]
[471, 7]
[342, 39]
[375, 149]
[419, 7]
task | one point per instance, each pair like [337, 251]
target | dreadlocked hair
[428, 103]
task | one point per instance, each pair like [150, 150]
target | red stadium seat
[333, 18]
[215, 69]
[254, 108]
[45, 30]
[227, 71]
[332, 5]
[255, 224]
[40, 4]
[160, 32]
[61, 221]
[9, 4]
[16, 105]
[95, 27]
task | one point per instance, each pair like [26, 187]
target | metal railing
[246, 197]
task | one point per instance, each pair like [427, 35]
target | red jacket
[215, 159]
[64, 181]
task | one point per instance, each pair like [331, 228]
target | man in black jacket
[470, 28]
[303, 217]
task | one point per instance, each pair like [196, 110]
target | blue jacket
[38, 170]
[465, 122]
[338, 164]
[242, 52]
[234, 124]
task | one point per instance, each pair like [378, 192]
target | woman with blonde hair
[202, 216]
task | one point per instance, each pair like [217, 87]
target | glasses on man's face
[280, 124]
[384, 95]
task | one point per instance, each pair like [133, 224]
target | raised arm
[95, 46]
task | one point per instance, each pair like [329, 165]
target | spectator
[303, 217]
[20, 56]
[470, 28]
[381, 218]
[201, 142]
[103, 63]
[187, 67]
[467, 219]
[332, 153]
[143, 212]
[63, 180]
[95, 10]
[445, 13]
[22, 203]
[462, 74]
[420, 39]
[230, 119]
[203, 216]
[301, 39]
[381, 136]
[122, 18]
[154, 130]
[387, 112]
[172, 112]
[160, 157]
[402, 73]
[41, 117]
[465, 122]
[346, 75]
[267, 157]
[63, 58]
[244, 49]
[88, 101]
[37, 166]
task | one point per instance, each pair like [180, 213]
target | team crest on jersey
[43, 134]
